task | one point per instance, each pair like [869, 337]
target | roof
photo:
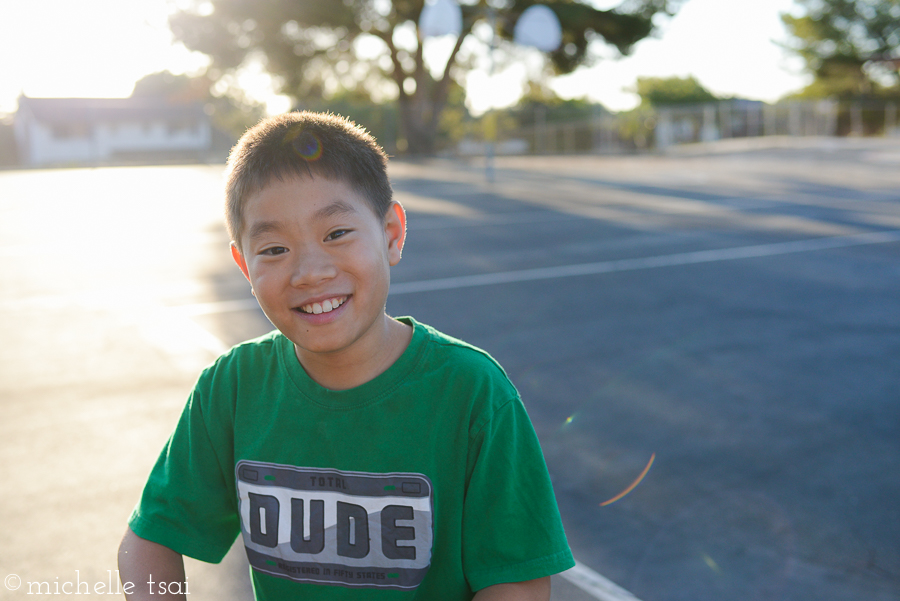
[94, 110]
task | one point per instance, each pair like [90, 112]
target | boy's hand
[151, 568]
[530, 590]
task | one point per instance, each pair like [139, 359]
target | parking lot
[730, 311]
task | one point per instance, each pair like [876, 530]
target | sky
[100, 48]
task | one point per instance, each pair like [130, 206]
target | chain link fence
[648, 130]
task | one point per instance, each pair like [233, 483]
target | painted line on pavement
[582, 269]
[619, 265]
[596, 585]
[229, 306]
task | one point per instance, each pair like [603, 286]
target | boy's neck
[359, 364]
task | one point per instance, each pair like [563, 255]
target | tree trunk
[420, 112]
[417, 125]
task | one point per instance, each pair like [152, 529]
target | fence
[641, 130]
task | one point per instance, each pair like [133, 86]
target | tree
[174, 88]
[231, 116]
[315, 48]
[850, 46]
[669, 91]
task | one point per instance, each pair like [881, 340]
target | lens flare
[305, 144]
[567, 423]
[633, 485]
[711, 563]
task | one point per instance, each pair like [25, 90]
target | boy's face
[319, 261]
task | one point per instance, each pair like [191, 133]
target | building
[92, 131]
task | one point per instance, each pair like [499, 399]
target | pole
[491, 132]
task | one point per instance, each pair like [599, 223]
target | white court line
[229, 306]
[596, 585]
[619, 265]
[688, 258]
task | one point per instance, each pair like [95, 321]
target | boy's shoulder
[247, 355]
[444, 353]
[455, 349]
[264, 345]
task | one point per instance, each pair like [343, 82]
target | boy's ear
[395, 229]
[239, 259]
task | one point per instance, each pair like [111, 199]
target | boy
[359, 456]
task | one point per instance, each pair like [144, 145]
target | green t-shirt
[427, 482]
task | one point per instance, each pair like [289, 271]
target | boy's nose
[311, 267]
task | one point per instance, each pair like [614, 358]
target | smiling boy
[358, 455]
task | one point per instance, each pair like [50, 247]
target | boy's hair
[304, 144]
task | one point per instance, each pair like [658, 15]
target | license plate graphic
[328, 526]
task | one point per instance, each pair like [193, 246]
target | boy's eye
[273, 250]
[336, 234]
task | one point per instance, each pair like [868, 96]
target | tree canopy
[318, 49]
[852, 47]
[668, 91]
[229, 115]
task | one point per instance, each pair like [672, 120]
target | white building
[90, 131]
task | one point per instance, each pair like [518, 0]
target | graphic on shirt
[336, 527]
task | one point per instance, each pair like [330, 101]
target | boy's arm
[530, 590]
[150, 567]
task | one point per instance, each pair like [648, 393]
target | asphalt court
[731, 312]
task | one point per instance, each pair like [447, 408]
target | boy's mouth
[325, 306]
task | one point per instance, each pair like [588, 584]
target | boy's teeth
[324, 307]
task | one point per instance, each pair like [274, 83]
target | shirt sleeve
[189, 502]
[512, 529]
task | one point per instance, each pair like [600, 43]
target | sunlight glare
[91, 48]
[728, 45]
[485, 92]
